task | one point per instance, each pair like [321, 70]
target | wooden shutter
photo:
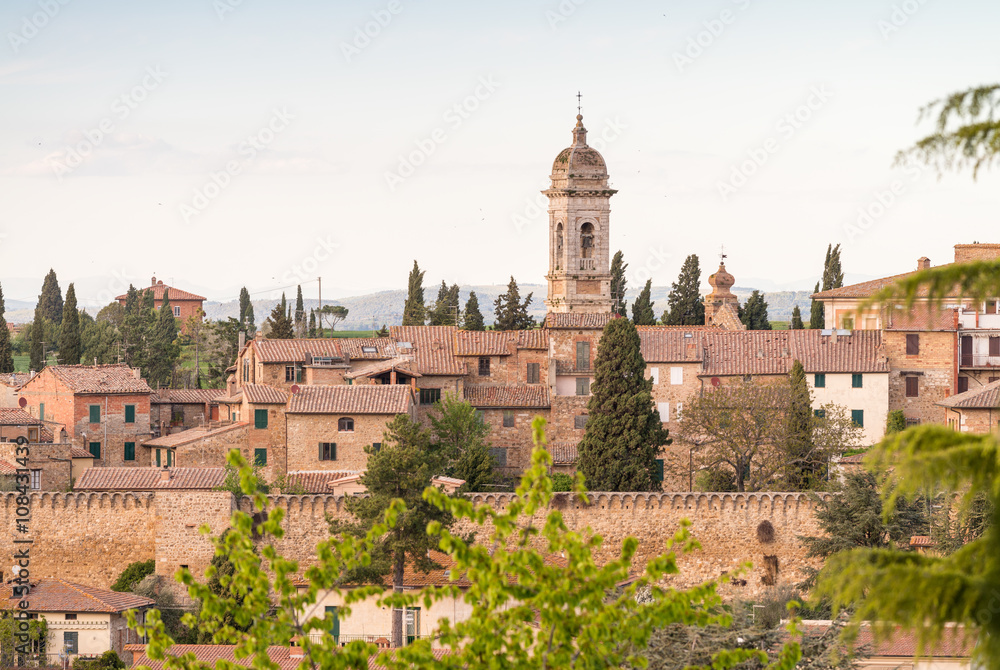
[913, 345]
[129, 413]
[995, 346]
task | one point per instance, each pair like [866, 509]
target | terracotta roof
[209, 654]
[402, 364]
[262, 394]
[316, 481]
[97, 378]
[159, 287]
[770, 352]
[185, 396]
[528, 395]
[984, 397]
[356, 399]
[15, 416]
[361, 347]
[7, 468]
[537, 338]
[728, 317]
[150, 479]
[563, 453]
[191, 435]
[853, 458]
[485, 342]
[921, 541]
[903, 643]
[669, 344]
[292, 351]
[582, 321]
[14, 379]
[77, 452]
[57, 595]
[864, 289]
[432, 348]
[923, 317]
[235, 399]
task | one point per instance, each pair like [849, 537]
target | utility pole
[319, 312]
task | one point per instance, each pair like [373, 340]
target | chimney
[152, 282]
[137, 373]
[923, 263]
[166, 475]
[296, 650]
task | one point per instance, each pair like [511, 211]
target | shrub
[134, 574]
[562, 482]
[765, 532]
[715, 480]
[896, 422]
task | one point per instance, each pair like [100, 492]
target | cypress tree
[454, 306]
[799, 431]
[247, 320]
[69, 334]
[624, 433]
[473, 318]
[817, 317]
[443, 314]
[6, 354]
[796, 319]
[279, 323]
[163, 349]
[383, 331]
[833, 275]
[618, 284]
[754, 315]
[414, 312]
[642, 308]
[312, 323]
[685, 305]
[50, 301]
[300, 314]
[36, 351]
[510, 312]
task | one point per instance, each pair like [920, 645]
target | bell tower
[579, 274]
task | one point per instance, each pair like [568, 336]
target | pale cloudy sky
[220, 143]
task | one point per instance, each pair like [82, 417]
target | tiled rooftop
[262, 394]
[97, 379]
[58, 595]
[185, 396]
[526, 395]
[190, 435]
[402, 364]
[432, 348]
[769, 352]
[356, 399]
[174, 293]
[15, 416]
[983, 397]
[150, 479]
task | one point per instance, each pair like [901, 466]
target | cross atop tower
[722, 254]
[579, 102]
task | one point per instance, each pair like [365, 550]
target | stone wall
[306, 431]
[211, 447]
[935, 369]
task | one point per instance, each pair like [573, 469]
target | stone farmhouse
[184, 304]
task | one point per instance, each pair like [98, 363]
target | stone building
[184, 304]
[721, 305]
[175, 410]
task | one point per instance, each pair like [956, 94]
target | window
[912, 422]
[412, 624]
[246, 371]
[655, 374]
[963, 384]
[170, 458]
[345, 424]
[289, 373]
[327, 451]
[158, 458]
[36, 480]
[508, 418]
[32, 434]
[913, 344]
[858, 417]
[499, 455]
[848, 323]
[583, 355]
[260, 457]
[95, 449]
[260, 418]
[819, 380]
[583, 385]
[429, 396]
[71, 616]
[480, 416]
[376, 447]
[41, 411]
[177, 311]
[819, 413]
[71, 642]
[912, 387]
[995, 346]
[130, 451]
[580, 421]
[664, 409]
[176, 415]
[369, 350]
[334, 623]
[857, 381]
[676, 376]
[322, 360]
[95, 414]
[129, 413]
[658, 475]
[533, 373]
[484, 366]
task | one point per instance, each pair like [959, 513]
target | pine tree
[414, 312]
[642, 308]
[754, 315]
[383, 331]
[624, 433]
[799, 429]
[464, 437]
[796, 323]
[685, 305]
[817, 317]
[162, 346]
[50, 301]
[300, 314]
[472, 319]
[69, 334]
[37, 347]
[510, 312]
[279, 324]
[6, 354]
[247, 320]
[618, 284]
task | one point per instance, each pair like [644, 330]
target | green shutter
[41, 411]
[659, 470]
[820, 380]
[335, 628]
[130, 451]
[858, 417]
[170, 457]
[129, 413]
[820, 413]
[260, 457]
[857, 381]
[95, 414]
[95, 449]
[157, 458]
[260, 418]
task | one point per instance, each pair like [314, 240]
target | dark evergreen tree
[685, 306]
[414, 312]
[312, 323]
[472, 319]
[37, 347]
[799, 433]
[6, 353]
[69, 334]
[247, 320]
[50, 301]
[383, 331]
[464, 437]
[754, 315]
[132, 329]
[511, 313]
[624, 433]
[833, 275]
[163, 349]
[642, 308]
[300, 314]
[618, 284]
[279, 324]
[817, 317]
[445, 311]
[796, 323]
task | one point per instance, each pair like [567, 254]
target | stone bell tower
[579, 274]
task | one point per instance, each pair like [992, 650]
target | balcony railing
[979, 361]
[588, 263]
[381, 640]
[572, 368]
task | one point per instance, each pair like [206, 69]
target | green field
[351, 333]
[21, 362]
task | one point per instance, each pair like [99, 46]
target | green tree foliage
[311, 330]
[6, 353]
[109, 660]
[511, 313]
[642, 307]
[69, 334]
[802, 472]
[754, 315]
[133, 574]
[50, 300]
[833, 275]
[39, 345]
[300, 313]
[279, 325]
[414, 312]
[383, 331]
[445, 311]
[472, 319]
[619, 284]
[163, 349]
[221, 342]
[464, 438]
[17, 652]
[99, 340]
[817, 314]
[624, 432]
[247, 320]
[333, 314]
[895, 422]
[685, 306]
[720, 478]
[796, 323]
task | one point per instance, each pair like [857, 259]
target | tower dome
[579, 165]
[721, 282]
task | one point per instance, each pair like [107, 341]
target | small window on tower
[587, 240]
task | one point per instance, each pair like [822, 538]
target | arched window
[559, 242]
[587, 240]
[345, 425]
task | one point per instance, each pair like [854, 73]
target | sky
[226, 143]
